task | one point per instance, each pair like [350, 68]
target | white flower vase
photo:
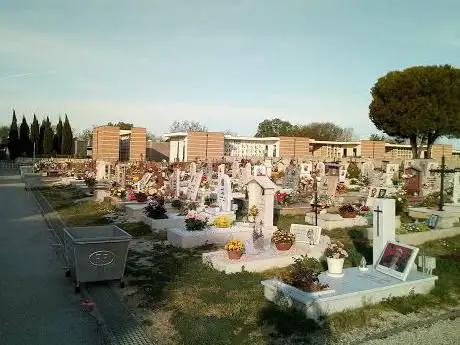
[335, 267]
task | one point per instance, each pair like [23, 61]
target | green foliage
[41, 136]
[419, 103]
[315, 130]
[303, 274]
[390, 140]
[353, 172]
[67, 137]
[432, 199]
[274, 128]
[24, 140]
[122, 125]
[13, 138]
[35, 134]
[187, 126]
[413, 227]
[57, 140]
[177, 204]
[48, 138]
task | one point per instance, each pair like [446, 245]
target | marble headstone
[383, 226]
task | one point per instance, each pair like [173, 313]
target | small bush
[177, 204]
[301, 276]
[155, 210]
[353, 171]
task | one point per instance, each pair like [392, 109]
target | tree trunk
[413, 144]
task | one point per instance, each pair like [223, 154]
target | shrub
[177, 204]
[432, 199]
[301, 276]
[155, 209]
[348, 208]
[353, 171]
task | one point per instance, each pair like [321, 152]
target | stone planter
[335, 266]
[234, 254]
[283, 246]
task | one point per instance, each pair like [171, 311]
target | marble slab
[354, 290]
[180, 237]
[329, 221]
[173, 221]
[262, 261]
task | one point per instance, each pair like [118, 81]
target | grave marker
[261, 193]
[309, 234]
[192, 190]
[224, 199]
[383, 226]
[443, 171]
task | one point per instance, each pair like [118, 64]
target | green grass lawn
[181, 301]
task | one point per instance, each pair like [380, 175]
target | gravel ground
[444, 332]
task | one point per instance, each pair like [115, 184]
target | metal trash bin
[96, 253]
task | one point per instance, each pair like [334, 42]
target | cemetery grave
[168, 316]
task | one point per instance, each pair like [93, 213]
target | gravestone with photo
[291, 177]
[192, 190]
[383, 225]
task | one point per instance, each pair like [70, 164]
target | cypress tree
[41, 137]
[13, 138]
[48, 138]
[35, 134]
[57, 141]
[67, 137]
[24, 140]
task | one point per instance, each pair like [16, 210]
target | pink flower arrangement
[195, 221]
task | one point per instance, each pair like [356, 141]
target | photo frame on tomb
[373, 192]
[396, 260]
[307, 234]
[382, 193]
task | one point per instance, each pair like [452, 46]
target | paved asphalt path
[37, 303]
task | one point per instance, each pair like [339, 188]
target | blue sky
[228, 64]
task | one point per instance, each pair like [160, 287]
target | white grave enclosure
[354, 290]
[383, 226]
[261, 194]
[257, 260]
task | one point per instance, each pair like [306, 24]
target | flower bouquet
[204, 182]
[324, 201]
[196, 221]
[252, 214]
[282, 198]
[234, 249]
[335, 256]
[348, 211]
[223, 221]
[283, 240]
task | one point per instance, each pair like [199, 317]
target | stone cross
[383, 226]
[442, 171]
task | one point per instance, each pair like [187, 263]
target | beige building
[186, 147]
[110, 143]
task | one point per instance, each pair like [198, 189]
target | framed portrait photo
[382, 193]
[397, 259]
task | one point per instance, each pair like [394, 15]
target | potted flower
[365, 211]
[252, 214]
[335, 254]
[348, 211]
[223, 221]
[155, 210]
[234, 249]
[283, 240]
[282, 198]
[196, 221]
